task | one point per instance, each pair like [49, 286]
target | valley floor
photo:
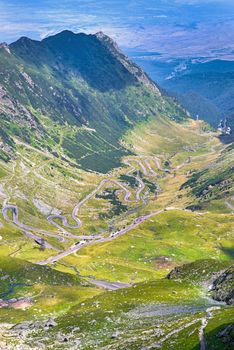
[85, 256]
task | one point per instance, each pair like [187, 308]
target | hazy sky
[170, 27]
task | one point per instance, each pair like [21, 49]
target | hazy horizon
[175, 28]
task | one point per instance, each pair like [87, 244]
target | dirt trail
[202, 340]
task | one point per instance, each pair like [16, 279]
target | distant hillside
[75, 95]
[213, 81]
[204, 88]
[214, 182]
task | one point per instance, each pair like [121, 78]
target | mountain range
[116, 207]
[78, 87]
[204, 87]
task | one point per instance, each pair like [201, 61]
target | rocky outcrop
[223, 287]
[10, 107]
[16, 303]
[214, 275]
[5, 47]
[30, 325]
[227, 336]
[134, 69]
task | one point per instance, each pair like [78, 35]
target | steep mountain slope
[77, 94]
[198, 105]
[215, 182]
[168, 314]
[203, 88]
[72, 103]
[212, 80]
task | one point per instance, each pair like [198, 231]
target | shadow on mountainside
[227, 139]
[83, 55]
[228, 251]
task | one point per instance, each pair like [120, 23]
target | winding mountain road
[76, 247]
[152, 172]
[76, 209]
[52, 218]
[89, 239]
[37, 239]
[15, 220]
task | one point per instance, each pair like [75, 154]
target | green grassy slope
[75, 95]
[214, 182]
[163, 314]
[107, 116]
[124, 318]
[206, 89]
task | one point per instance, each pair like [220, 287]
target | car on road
[114, 234]
[81, 242]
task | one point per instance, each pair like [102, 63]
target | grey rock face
[223, 287]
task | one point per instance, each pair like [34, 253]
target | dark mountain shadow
[227, 139]
[78, 54]
[228, 251]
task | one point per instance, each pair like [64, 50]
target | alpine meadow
[116, 175]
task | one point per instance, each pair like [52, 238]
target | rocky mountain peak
[108, 41]
[133, 68]
[5, 47]
[97, 58]
[23, 41]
